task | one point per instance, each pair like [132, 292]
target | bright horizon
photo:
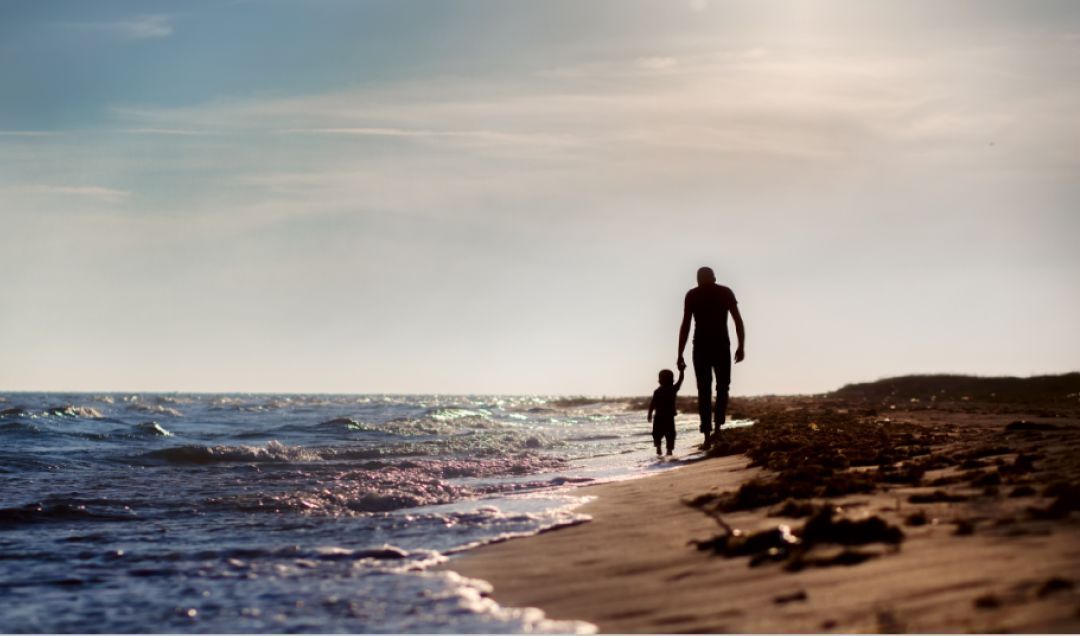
[687, 391]
[512, 198]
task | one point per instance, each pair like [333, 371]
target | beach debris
[845, 557]
[794, 509]
[800, 595]
[811, 452]
[783, 544]
[938, 496]
[887, 623]
[1067, 500]
[905, 474]
[1053, 585]
[824, 528]
[972, 463]
[991, 478]
[917, 518]
[988, 451]
[987, 601]
[964, 528]
[1022, 491]
[1024, 425]
[805, 483]
[1024, 463]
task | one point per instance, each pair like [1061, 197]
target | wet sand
[991, 541]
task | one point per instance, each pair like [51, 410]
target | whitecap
[274, 451]
[153, 428]
[156, 409]
[70, 410]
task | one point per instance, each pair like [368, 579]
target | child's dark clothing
[663, 405]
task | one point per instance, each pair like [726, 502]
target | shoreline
[634, 568]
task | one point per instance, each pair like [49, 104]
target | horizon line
[602, 396]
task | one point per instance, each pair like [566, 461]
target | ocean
[230, 513]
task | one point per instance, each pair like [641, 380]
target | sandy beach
[978, 516]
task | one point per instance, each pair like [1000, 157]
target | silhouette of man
[709, 305]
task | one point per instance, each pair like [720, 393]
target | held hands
[739, 355]
[681, 364]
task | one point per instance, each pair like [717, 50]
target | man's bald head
[705, 276]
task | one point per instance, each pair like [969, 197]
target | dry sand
[633, 567]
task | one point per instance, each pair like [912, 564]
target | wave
[274, 451]
[337, 504]
[173, 399]
[156, 409]
[153, 428]
[498, 466]
[384, 552]
[70, 410]
[445, 414]
[360, 452]
[18, 427]
[593, 438]
[371, 487]
[347, 423]
[39, 512]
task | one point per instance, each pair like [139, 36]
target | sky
[513, 197]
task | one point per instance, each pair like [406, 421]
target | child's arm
[679, 383]
[651, 404]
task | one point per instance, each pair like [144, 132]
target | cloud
[98, 193]
[166, 131]
[605, 135]
[138, 28]
[25, 133]
[480, 136]
[656, 63]
[601, 135]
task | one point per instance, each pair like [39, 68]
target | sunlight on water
[316, 513]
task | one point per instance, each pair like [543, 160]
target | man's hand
[681, 364]
[650, 418]
[739, 355]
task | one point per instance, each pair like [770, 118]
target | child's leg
[656, 441]
[670, 441]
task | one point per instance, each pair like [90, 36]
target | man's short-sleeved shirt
[710, 306]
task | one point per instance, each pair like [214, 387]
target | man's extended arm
[684, 333]
[740, 331]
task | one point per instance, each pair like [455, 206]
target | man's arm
[684, 332]
[740, 331]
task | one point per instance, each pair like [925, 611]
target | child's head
[667, 378]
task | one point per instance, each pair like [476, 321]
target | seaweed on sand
[824, 527]
[794, 509]
[811, 449]
[1066, 500]
[938, 496]
[1024, 425]
[783, 544]
[1053, 585]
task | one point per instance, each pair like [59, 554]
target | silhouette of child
[663, 403]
